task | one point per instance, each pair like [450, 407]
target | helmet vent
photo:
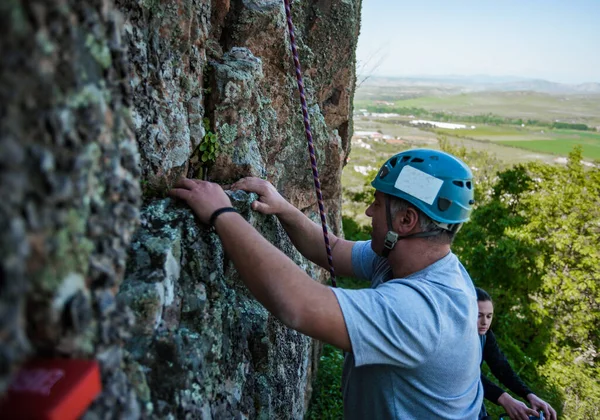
[417, 160]
[384, 171]
[459, 183]
[393, 161]
[444, 203]
[405, 159]
[469, 184]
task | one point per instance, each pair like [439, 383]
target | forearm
[306, 235]
[275, 281]
[504, 399]
[491, 391]
[284, 289]
[509, 378]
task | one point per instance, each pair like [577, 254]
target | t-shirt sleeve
[363, 260]
[392, 324]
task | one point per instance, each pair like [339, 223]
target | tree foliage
[326, 401]
[533, 243]
[569, 126]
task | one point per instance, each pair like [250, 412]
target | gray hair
[425, 222]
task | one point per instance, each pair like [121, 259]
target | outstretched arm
[306, 235]
[276, 281]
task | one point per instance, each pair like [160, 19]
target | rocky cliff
[102, 106]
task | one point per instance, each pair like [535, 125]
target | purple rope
[311, 149]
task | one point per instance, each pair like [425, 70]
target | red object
[56, 389]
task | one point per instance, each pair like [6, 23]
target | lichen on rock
[101, 100]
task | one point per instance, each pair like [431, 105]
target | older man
[411, 340]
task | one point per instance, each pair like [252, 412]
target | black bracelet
[218, 212]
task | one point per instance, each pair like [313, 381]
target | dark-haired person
[501, 369]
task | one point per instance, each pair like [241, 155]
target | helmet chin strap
[391, 237]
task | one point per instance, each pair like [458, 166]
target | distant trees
[568, 126]
[417, 112]
[489, 118]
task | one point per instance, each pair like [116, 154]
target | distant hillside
[484, 83]
[544, 86]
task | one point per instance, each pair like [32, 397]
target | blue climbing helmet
[437, 183]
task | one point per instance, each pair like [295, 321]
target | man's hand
[541, 405]
[269, 200]
[515, 409]
[306, 235]
[202, 196]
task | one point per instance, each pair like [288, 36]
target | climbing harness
[311, 149]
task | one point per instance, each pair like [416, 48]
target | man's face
[376, 211]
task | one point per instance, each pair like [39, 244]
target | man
[412, 343]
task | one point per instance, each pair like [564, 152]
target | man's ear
[406, 221]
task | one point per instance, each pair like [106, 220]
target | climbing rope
[311, 149]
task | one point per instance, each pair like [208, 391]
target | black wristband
[218, 212]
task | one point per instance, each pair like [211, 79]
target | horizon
[534, 40]
[473, 76]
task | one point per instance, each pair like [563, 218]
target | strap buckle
[390, 240]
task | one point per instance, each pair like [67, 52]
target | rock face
[102, 106]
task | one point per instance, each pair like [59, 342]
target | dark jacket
[501, 369]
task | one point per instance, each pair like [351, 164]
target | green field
[525, 105]
[487, 139]
[561, 142]
[557, 142]
[557, 147]
[494, 132]
[500, 116]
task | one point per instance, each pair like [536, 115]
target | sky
[556, 40]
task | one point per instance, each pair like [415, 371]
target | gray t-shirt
[415, 347]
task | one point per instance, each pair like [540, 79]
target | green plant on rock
[209, 145]
[207, 151]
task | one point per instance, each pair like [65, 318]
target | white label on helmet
[418, 184]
